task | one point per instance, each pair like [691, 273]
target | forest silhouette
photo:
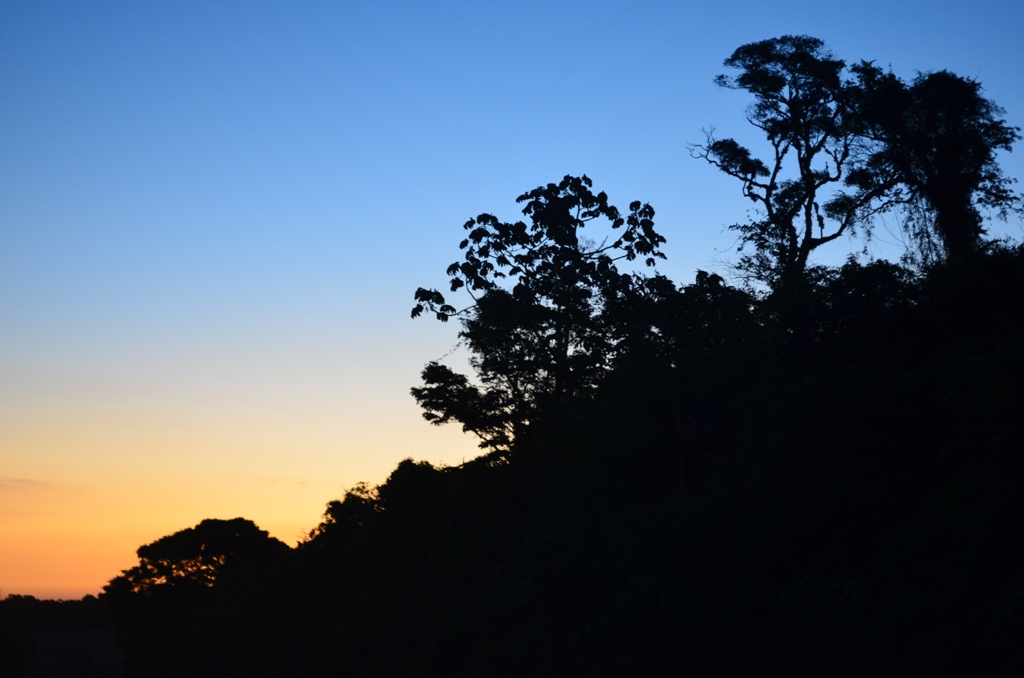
[813, 470]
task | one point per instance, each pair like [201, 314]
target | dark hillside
[740, 496]
[819, 477]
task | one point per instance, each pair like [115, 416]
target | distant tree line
[812, 472]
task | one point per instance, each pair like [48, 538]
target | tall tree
[802, 104]
[536, 328]
[935, 144]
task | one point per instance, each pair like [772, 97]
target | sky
[213, 217]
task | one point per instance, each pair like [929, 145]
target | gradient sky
[213, 216]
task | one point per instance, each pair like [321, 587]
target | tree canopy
[537, 330]
[803, 106]
[933, 145]
[197, 556]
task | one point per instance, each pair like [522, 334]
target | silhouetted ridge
[817, 475]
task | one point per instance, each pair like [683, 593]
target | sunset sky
[213, 216]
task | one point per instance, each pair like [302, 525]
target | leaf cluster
[548, 260]
[537, 330]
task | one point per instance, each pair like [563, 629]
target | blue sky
[213, 217]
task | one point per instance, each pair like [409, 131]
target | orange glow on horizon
[77, 498]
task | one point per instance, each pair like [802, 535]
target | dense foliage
[544, 336]
[820, 478]
[746, 492]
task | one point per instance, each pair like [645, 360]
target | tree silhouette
[536, 331]
[802, 104]
[195, 558]
[935, 145]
